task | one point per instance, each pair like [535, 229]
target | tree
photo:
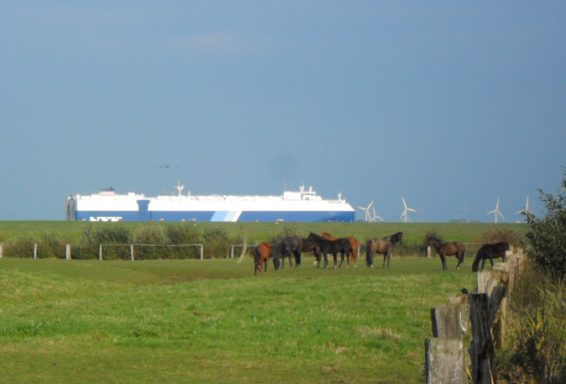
[546, 238]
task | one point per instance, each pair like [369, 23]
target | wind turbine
[370, 216]
[526, 209]
[406, 210]
[496, 212]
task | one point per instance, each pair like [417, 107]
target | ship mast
[180, 187]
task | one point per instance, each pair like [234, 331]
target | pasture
[211, 321]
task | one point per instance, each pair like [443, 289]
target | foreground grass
[212, 321]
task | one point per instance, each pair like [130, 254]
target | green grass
[213, 321]
[71, 231]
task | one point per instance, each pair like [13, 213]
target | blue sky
[451, 104]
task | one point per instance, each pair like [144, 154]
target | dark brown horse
[443, 249]
[353, 242]
[383, 246]
[262, 253]
[287, 246]
[314, 248]
[325, 246]
[489, 251]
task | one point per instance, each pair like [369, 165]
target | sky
[450, 104]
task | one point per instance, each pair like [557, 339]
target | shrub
[538, 308]
[20, 247]
[216, 242]
[546, 239]
[538, 322]
[116, 237]
[50, 245]
[183, 233]
[147, 237]
[497, 235]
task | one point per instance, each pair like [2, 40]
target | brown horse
[383, 246]
[262, 253]
[443, 249]
[353, 241]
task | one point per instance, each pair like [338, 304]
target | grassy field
[212, 321]
[71, 231]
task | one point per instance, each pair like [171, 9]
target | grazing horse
[489, 251]
[383, 246]
[334, 247]
[353, 242]
[287, 246]
[310, 246]
[262, 253]
[443, 249]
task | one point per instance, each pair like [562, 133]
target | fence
[130, 249]
[477, 317]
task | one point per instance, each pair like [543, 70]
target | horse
[334, 247]
[489, 251]
[383, 246]
[310, 246]
[443, 249]
[353, 242]
[287, 246]
[262, 253]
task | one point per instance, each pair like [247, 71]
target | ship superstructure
[304, 205]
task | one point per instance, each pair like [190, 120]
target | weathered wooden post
[132, 252]
[68, 251]
[483, 313]
[35, 251]
[445, 360]
[428, 251]
[100, 252]
[1, 251]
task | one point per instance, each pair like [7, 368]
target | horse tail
[257, 258]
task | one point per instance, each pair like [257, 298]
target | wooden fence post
[35, 251]
[68, 251]
[1, 251]
[444, 361]
[132, 252]
[450, 321]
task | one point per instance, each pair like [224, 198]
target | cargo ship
[304, 205]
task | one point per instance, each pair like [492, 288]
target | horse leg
[317, 257]
[443, 259]
[460, 261]
[369, 258]
[491, 261]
